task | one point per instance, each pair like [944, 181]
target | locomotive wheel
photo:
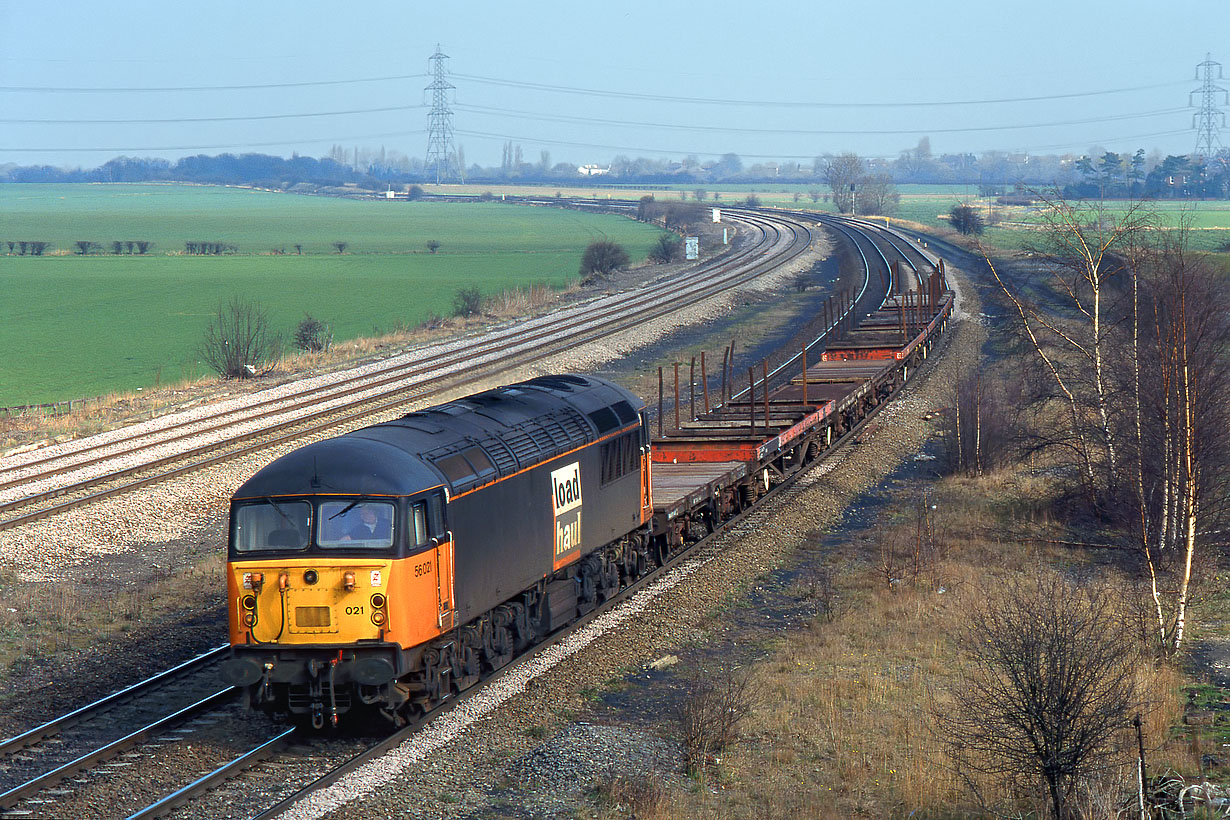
[501, 645]
[466, 667]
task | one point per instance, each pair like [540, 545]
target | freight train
[390, 568]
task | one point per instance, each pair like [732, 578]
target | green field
[76, 326]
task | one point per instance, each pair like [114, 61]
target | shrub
[966, 220]
[313, 335]
[467, 302]
[238, 343]
[602, 258]
[666, 249]
[433, 245]
[752, 201]
[712, 709]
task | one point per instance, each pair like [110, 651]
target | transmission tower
[1210, 119]
[441, 152]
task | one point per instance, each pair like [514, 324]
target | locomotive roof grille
[467, 442]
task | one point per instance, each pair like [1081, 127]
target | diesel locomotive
[386, 569]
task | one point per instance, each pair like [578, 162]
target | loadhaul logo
[566, 498]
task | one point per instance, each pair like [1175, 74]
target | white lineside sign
[691, 248]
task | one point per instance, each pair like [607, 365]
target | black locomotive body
[501, 517]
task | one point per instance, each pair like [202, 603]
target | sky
[82, 82]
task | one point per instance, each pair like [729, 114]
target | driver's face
[368, 516]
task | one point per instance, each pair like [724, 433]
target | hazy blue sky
[766, 81]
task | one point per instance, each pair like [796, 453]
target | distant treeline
[1100, 173]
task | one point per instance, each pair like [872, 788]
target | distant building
[593, 170]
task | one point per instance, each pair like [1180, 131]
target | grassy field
[927, 205]
[76, 326]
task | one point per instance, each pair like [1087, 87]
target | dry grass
[845, 725]
[45, 618]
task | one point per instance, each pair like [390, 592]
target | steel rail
[844, 229]
[701, 290]
[56, 725]
[222, 773]
[489, 339]
[16, 794]
[337, 772]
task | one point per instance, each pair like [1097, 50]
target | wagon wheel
[661, 551]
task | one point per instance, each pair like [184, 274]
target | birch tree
[1071, 315]
[1182, 407]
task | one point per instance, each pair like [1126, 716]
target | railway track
[375, 390]
[280, 749]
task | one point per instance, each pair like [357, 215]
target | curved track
[135, 458]
[873, 245]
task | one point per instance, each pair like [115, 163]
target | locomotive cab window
[271, 525]
[348, 524]
[418, 525]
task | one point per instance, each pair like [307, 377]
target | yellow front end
[305, 601]
[316, 638]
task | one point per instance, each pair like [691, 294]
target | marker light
[378, 617]
[249, 619]
[310, 577]
[377, 601]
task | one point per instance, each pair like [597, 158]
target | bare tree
[1181, 388]
[238, 342]
[966, 220]
[313, 335]
[1051, 690]
[843, 175]
[714, 705]
[1071, 322]
[877, 195]
[341, 247]
[665, 249]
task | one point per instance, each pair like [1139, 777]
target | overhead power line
[807, 157]
[806, 132]
[47, 89]
[629, 95]
[229, 146]
[165, 120]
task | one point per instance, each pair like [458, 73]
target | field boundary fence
[55, 408]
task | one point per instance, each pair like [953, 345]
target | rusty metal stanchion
[804, 378]
[676, 395]
[764, 388]
[725, 367]
[704, 379]
[751, 396]
[692, 391]
[659, 402]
